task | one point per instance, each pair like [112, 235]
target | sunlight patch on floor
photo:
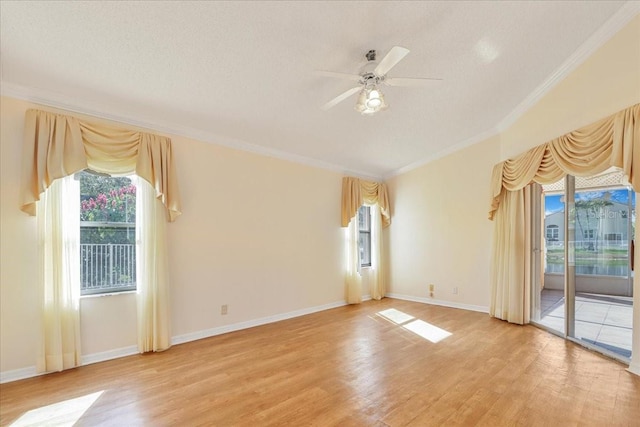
[419, 327]
[396, 316]
[65, 413]
[427, 331]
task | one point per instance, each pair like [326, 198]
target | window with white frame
[107, 233]
[364, 242]
[613, 237]
[588, 234]
[552, 233]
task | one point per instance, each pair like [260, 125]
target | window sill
[110, 294]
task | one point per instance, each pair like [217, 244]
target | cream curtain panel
[512, 240]
[613, 141]
[355, 193]
[352, 279]
[154, 320]
[58, 249]
[57, 145]
[377, 287]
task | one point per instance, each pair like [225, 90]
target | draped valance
[356, 192]
[57, 145]
[613, 141]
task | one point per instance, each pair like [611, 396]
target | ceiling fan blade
[412, 82]
[341, 97]
[394, 56]
[344, 76]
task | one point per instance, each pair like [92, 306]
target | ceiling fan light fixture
[374, 99]
[370, 101]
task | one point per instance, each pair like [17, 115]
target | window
[613, 237]
[107, 233]
[364, 243]
[588, 234]
[552, 233]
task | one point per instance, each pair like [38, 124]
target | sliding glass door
[584, 288]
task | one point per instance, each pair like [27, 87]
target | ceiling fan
[371, 100]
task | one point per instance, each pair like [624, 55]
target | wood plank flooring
[348, 366]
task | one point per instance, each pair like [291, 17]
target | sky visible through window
[553, 203]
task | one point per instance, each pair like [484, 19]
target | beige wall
[259, 234]
[19, 315]
[440, 233]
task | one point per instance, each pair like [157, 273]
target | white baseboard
[192, 336]
[109, 355]
[18, 374]
[432, 301]
[30, 372]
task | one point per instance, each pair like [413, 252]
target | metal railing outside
[107, 268]
[590, 244]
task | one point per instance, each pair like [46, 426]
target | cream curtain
[355, 193]
[377, 274]
[353, 279]
[59, 260]
[613, 141]
[56, 146]
[512, 239]
[154, 328]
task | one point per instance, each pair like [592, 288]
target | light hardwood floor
[350, 366]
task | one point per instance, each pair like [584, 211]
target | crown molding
[443, 153]
[62, 102]
[621, 18]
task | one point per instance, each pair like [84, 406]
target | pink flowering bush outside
[116, 205]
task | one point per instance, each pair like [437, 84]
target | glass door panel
[548, 296]
[603, 285]
[570, 255]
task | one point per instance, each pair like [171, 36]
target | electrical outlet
[224, 309]
[455, 290]
[431, 287]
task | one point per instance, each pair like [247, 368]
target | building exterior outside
[604, 224]
[596, 226]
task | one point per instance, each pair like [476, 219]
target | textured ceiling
[242, 73]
